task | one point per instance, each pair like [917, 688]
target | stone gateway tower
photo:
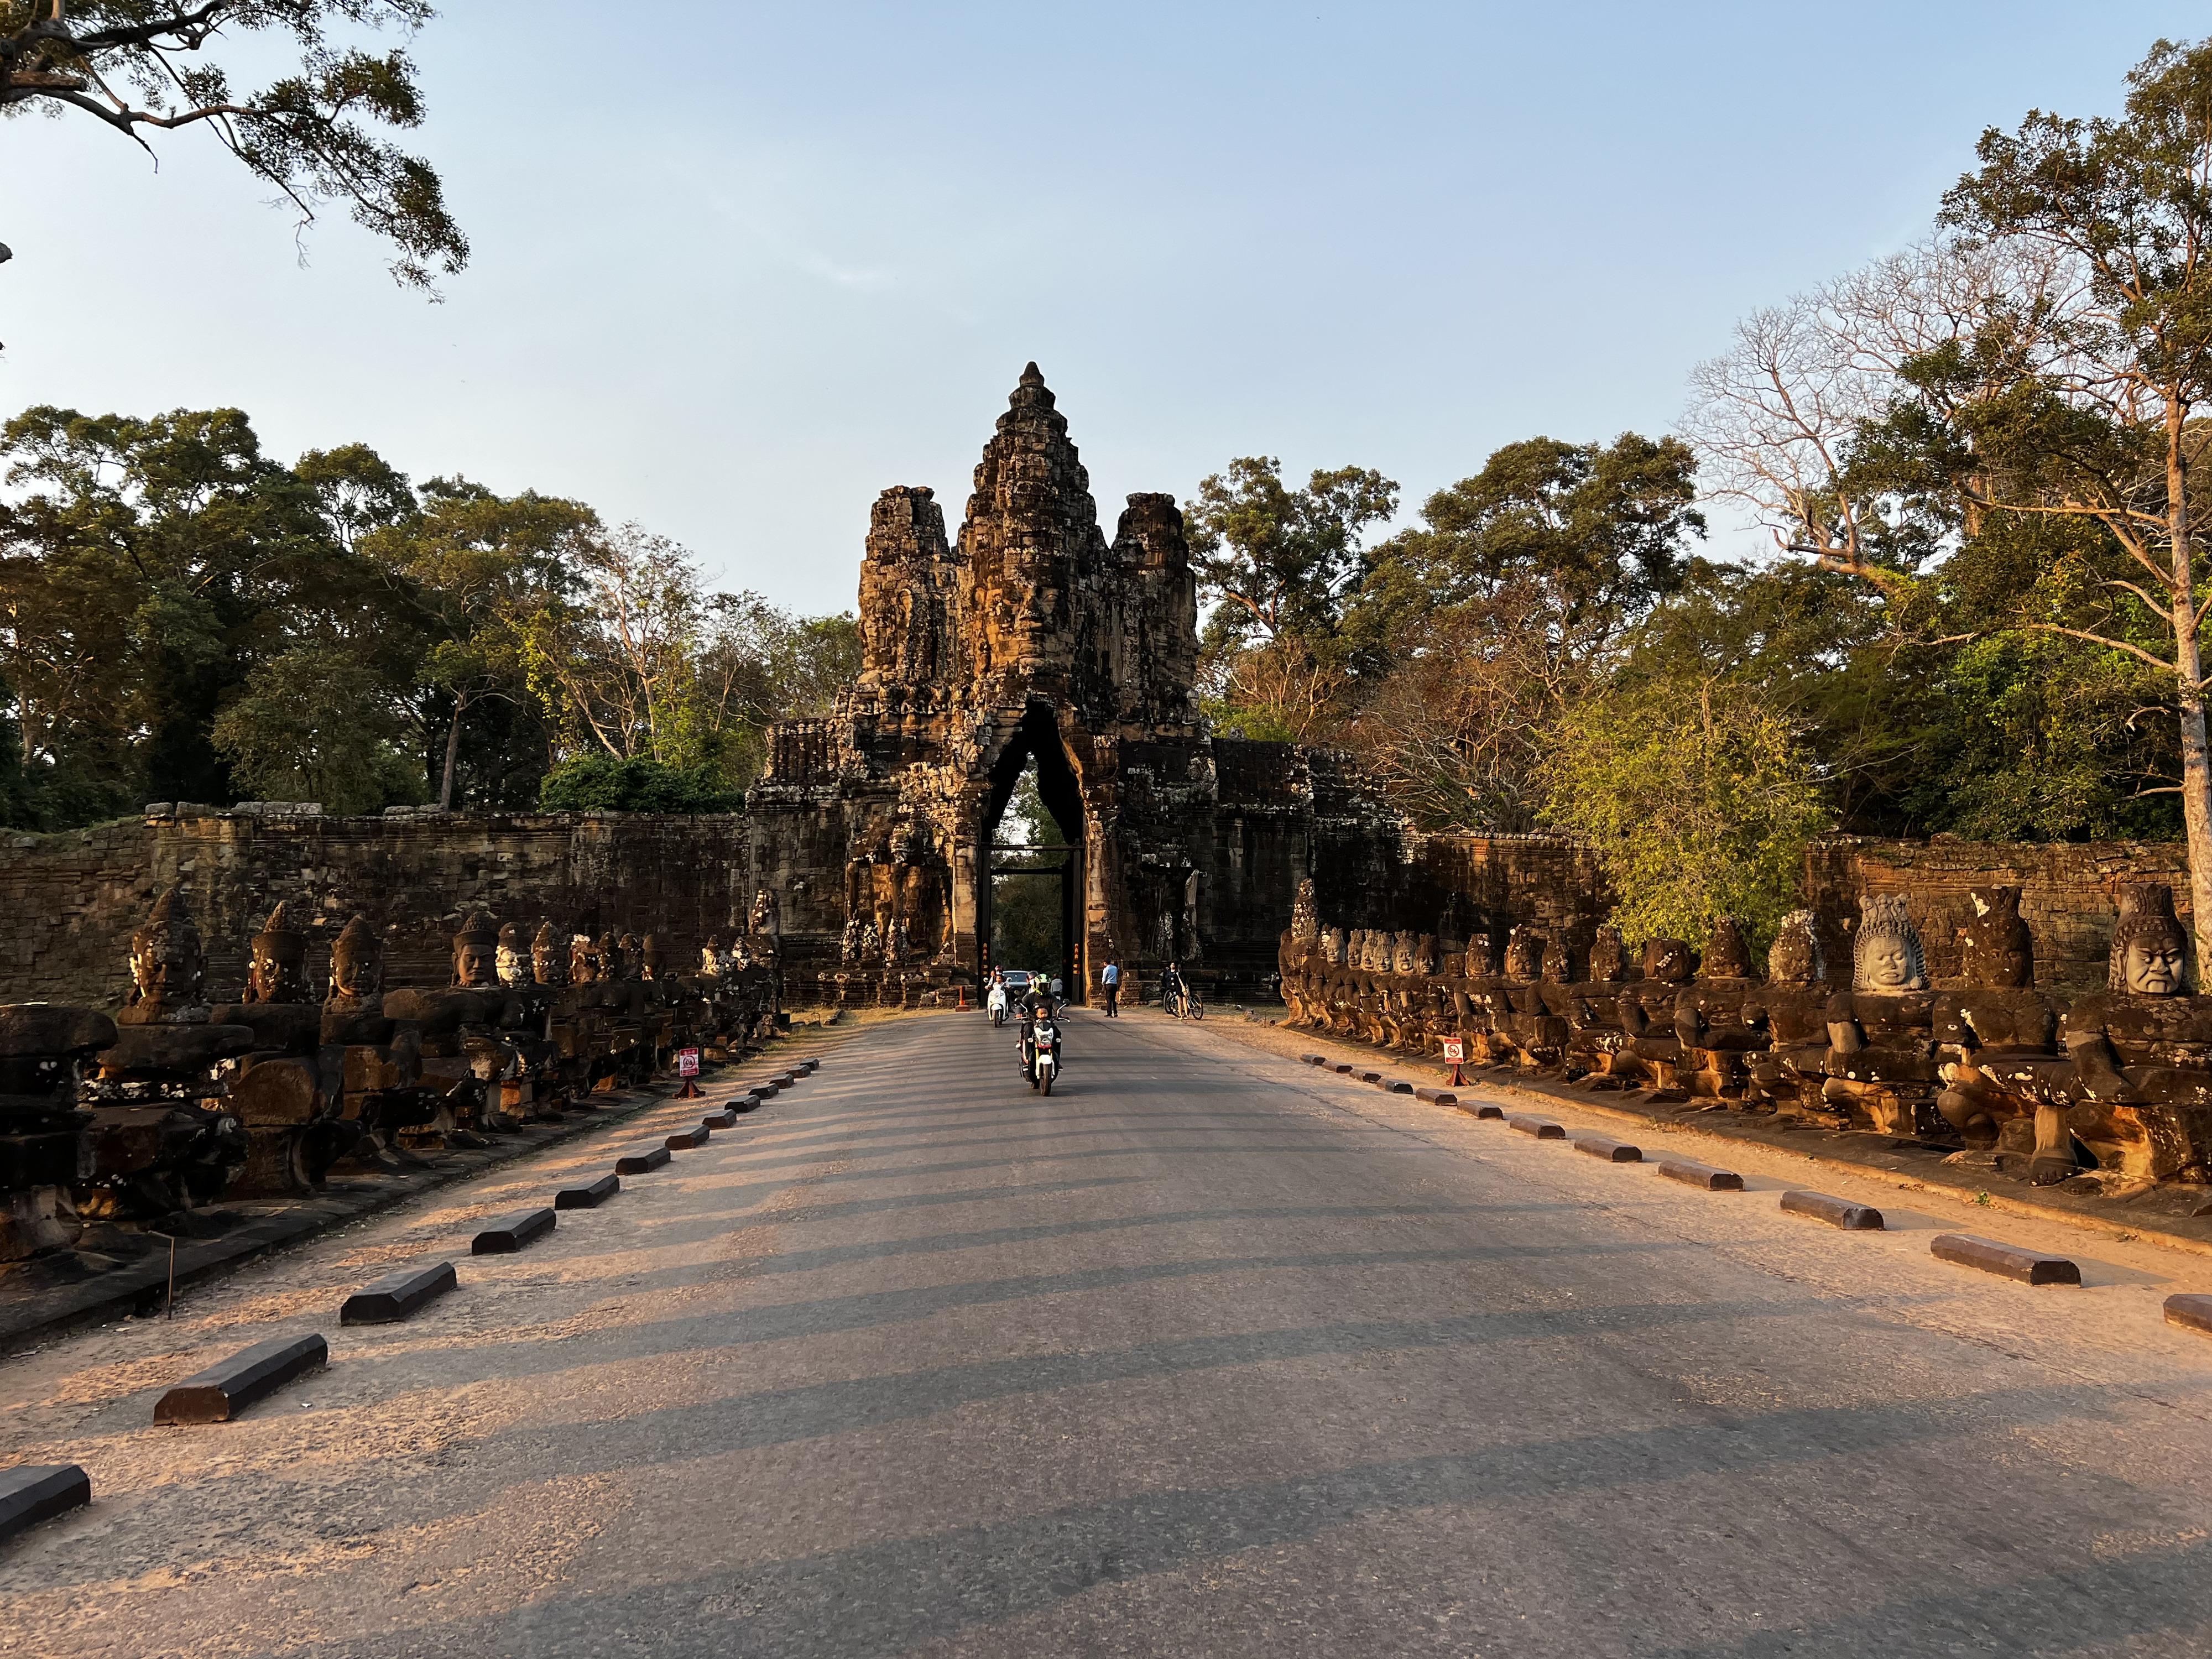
[1031, 637]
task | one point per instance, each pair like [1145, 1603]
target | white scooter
[996, 1002]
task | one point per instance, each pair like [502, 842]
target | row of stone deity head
[2149, 950]
[168, 961]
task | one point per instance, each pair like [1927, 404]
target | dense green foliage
[1985, 446]
[184, 617]
[145, 67]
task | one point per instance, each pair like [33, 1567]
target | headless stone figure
[1647, 1015]
[1718, 1018]
[1789, 1074]
[2142, 1051]
[1592, 1008]
[1881, 1056]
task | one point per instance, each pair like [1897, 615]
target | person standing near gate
[1111, 979]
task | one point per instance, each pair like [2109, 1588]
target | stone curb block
[1394, 1085]
[1836, 1211]
[32, 1492]
[1341, 1067]
[1701, 1174]
[641, 1160]
[724, 1119]
[1542, 1127]
[1311, 1060]
[786, 1079]
[1481, 1111]
[511, 1233]
[808, 1067]
[1369, 1076]
[2003, 1259]
[230, 1385]
[1613, 1152]
[745, 1103]
[2194, 1312]
[684, 1140]
[1435, 1097]
[387, 1300]
[589, 1196]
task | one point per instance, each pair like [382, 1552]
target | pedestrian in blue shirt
[1111, 979]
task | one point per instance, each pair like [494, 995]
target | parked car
[1017, 983]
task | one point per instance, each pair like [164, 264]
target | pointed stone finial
[277, 922]
[1032, 375]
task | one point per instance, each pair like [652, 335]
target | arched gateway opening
[1018, 861]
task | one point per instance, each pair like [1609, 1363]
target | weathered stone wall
[2066, 896]
[68, 902]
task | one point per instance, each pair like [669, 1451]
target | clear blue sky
[738, 267]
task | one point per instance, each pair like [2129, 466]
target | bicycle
[1185, 1006]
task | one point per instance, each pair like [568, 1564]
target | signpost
[687, 1067]
[1456, 1051]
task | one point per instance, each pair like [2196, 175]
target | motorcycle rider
[1038, 1004]
[995, 1001]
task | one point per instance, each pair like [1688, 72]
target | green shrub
[601, 783]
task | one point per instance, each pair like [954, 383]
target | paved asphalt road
[1208, 1354]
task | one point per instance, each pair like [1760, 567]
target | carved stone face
[475, 954]
[584, 960]
[1524, 954]
[1609, 958]
[1332, 946]
[648, 956]
[356, 963]
[167, 962]
[627, 959]
[274, 975]
[1888, 962]
[1401, 957]
[710, 956]
[1424, 954]
[2152, 963]
[1481, 956]
[1558, 967]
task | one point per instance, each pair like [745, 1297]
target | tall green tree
[153, 66]
[1510, 598]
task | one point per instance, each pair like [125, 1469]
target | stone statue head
[1727, 957]
[548, 956]
[1332, 946]
[1424, 954]
[513, 957]
[1667, 960]
[356, 964]
[586, 960]
[1559, 965]
[2150, 951]
[1886, 956]
[279, 970]
[475, 952]
[168, 965]
[765, 921]
[618, 956]
[1482, 957]
[1608, 957]
[648, 956]
[2000, 952]
[1795, 958]
[1305, 913]
[1402, 947]
[710, 957]
[1524, 954]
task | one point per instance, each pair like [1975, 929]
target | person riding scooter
[1038, 1004]
[995, 1000]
